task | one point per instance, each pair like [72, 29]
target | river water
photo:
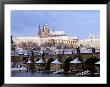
[38, 74]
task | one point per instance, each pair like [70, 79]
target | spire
[39, 31]
[53, 29]
[39, 26]
[43, 29]
[90, 36]
[11, 40]
[93, 36]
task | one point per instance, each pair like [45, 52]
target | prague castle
[45, 32]
[47, 35]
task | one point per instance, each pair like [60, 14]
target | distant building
[45, 35]
[89, 43]
[45, 32]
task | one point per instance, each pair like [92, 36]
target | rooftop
[76, 61]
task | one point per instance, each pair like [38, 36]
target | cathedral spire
[39, 31]
[11, 39]
[43, 29]
[39, 26]
[43, 26]
[93, 36]
[90, 36]
[53, 29]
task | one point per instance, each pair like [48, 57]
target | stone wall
[76, 67]
[40, 66]
[55, 67]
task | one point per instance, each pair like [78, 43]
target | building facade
[90, 42]
[45, 35]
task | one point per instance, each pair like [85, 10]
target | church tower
[39, 31]
[45, 31]
[91, 36]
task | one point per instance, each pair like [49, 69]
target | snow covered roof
[25, 54]
[40, 61]
[20, 52]
[56, 62]
[68, 52]
[73, 38]
[57, 32]
[85, 51]
[14, 53]
[29, 61]
[62, 37]
[97, 50]
[97, 62]
[75, 61]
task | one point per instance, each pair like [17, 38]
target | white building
[91, 42]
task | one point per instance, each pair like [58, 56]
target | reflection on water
[38, 74]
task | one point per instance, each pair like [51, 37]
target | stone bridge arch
[90, 64]
[66, 64]
[48, 63]
[86, 56]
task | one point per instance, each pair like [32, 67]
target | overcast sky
[75, 23]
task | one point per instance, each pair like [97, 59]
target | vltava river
[38, 74]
